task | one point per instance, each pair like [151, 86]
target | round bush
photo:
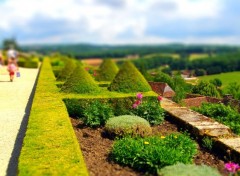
[153, 153]
[128, 125]
[181, 169]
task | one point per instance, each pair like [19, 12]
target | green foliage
[152, 153]
[223, 114]
[200, 72]
[207, 142]
[129, 79]
[181, 169]
[121, 105]
[50, 146]
[128, 125]
[33, 63]
[151, 111]
[216, 82]
[163, 77]
[233, 88]
[67, 70]
[205, 88]
[96, 114]
[80, 82]
[108, 70]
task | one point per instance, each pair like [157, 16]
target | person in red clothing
[12, 67]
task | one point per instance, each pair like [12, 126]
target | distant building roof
[162, 88]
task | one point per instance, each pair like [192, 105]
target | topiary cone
[80, 81]
[129, 79]
[70, 65]
[108, 70]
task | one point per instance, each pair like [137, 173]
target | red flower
[159, 98]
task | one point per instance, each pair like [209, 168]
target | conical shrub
[129, 79]
[80, 81]
[108, 70]
[67, 70]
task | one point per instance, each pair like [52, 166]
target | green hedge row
[33, 63]
[120, 105]
[50, 146]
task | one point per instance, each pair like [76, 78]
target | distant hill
[117, 51]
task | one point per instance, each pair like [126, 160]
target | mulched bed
[96, 147]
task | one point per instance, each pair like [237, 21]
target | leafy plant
[128, 125]
[152, 153]
[151, 111]
[181, 169]
[96, 114]
[223, 114]
[207, 142]
[205, 88]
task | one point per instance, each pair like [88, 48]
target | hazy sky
[121, 21]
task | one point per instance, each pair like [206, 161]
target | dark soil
[96, 146]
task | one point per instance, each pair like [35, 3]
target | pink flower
[86, 68]
[232, 167]
[139, 96]
[134, 106]
[159, 98]
[138, 102]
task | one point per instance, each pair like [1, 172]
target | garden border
[50, 146]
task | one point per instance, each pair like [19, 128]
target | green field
[226, 78]
[194, 56]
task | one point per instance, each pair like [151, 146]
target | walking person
[12, 54]
[12, 68]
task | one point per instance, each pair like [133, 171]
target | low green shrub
[120, 105]
[96, 114]
[181, 169]
[31, 64]
[151, 111]
[128, 125]
[207, 142]
[221, 113]
[21, 62]
[153, 153]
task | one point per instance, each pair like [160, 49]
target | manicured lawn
[226, 78]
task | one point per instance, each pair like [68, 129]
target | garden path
[15, 104]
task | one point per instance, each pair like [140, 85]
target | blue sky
[121, 21]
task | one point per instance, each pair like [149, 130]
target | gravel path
[15, 103]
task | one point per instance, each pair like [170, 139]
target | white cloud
[106, 20]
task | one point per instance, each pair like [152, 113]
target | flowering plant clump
[232, 168]
[151, 111]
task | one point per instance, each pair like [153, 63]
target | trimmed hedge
[129, 79]
[67, 70]
[128, 125]
[50, 146]
[28, 63]
[80, 82]
[107, 71]
[120, 105]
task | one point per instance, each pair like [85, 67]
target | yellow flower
[162, 137]
[146, 142]
[175, 137]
